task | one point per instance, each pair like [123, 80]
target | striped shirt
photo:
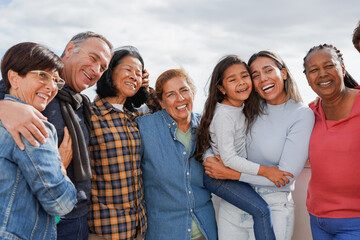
[117, 209]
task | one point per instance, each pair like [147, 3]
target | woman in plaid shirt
[117, 209]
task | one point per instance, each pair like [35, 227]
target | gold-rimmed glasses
[46, 78]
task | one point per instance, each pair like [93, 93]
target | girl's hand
[275, 175]
[215, 168]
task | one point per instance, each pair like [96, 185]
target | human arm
[21, 119]
[218, 170]
[215, 168]
[40, 167]
[275, 175]
[65, 151]
[292, 135]
[227, 132]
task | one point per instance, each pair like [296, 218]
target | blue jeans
[335, 228]
[243, 196]
[73, 229]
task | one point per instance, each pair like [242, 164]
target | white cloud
[191, 34]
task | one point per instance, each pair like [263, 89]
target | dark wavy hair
[105, 87]
[349, 81]
[27, 56]
[215, 96]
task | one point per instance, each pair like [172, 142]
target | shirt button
[173, 123]
[189, 192]
[191, 210]
[184, 153]
[174, 138]
[189, 230]
[187, 173]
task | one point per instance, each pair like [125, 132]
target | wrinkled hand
[145, 79]
[275, 175]
[65, 150]
[23, 119]
[215, 168]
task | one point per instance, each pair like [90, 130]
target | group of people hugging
[138, 163]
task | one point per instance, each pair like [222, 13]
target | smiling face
[236, 85]
[177, 100]
[84, 64]
[268, 80]
[127, 77]
[325, 74]
[31, 90]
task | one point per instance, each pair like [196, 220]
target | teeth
[130, 84]
[42, 95]
[243, 90]
[266, 88]
[324, 83]
[181, 107]
[87, 75]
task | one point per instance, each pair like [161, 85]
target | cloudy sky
[193, 34]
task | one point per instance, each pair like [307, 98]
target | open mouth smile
[42, 95]
[242, 90]
[131, 84]
[268, 87]
[325, 84]
[87, 75]
[181, 107]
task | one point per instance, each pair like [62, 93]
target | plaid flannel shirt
[117, 209]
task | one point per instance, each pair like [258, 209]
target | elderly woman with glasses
[33, 189]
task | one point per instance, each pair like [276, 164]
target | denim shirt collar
[171, 123]
[14, 99]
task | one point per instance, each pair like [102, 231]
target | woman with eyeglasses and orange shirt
[34, 187]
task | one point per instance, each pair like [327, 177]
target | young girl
[223, 127]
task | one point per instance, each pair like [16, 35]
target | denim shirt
[33, 190]
[53, 114]
[173, 182]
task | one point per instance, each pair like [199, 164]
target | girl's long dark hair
[215, 96]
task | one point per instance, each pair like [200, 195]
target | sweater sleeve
[295, 151]
[223, 130]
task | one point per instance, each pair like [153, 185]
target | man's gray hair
[80, 38]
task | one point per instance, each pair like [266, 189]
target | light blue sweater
[228, 138]
[280, 137]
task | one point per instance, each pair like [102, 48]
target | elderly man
[86, 57]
